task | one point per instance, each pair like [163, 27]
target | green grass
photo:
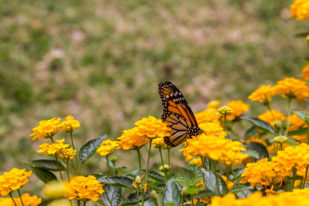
[101, 61]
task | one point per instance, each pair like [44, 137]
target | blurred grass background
[101, 61]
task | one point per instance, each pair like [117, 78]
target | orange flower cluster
[58, 148]
[263, 94]
[300, 9]
[272, 116]
[107, 147]
[84, 188]
[305, 72]
[27, 200]
[69, 125]
[13, 180]
[46, 129]
[238, 108]
[210, 114]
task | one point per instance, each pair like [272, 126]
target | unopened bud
[184, 191]
[154, 195]
[225, 110]
[277, 125]
[138, 179]
[114, 158]
[280, 139]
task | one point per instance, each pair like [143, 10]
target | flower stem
[85, 202]
[137, 194]
[216, 175]
[58, 167]
[12, 198]
[192, 199]
[71, 135]
[289, 114]
[305, 176]
[78, 202]
[147, 168]
[160, 151]
[169, 157]
[308, 134]
[68, 173]
[21, 199]
[139, 161]
[107, 162]
[294, 176]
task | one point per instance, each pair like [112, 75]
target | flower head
[84, 188]
[62, 150]
[238, 108]
[225, 110]
[263, 94]
[67, 153]
[280, 139]
[46, 129]
[26, 198]
[131, 139]
[208, 115]
[107, 147]
[305, 71]
[300, 9]
[213, 104]
[69, 125]
[13, 180]
[292, 88]
[152, 127]
[271, 116]
[159, 143]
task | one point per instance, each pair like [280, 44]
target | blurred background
[101, 61]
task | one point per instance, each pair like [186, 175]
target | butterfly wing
[176, 113]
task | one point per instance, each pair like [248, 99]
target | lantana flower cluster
[59, 148]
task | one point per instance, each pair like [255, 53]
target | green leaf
[259, 123]
[47, 164]
[185, 173]
[239, 189]
[117, 181]
[205, 193]
[251, 153]
[132, 198]
[291, 141]
[43, 174]
[45, 202]
[114, 195]
[172, 194]
[193, 190]
[300, 35]
[298, 132]
[156, 176]
[88, 149]
[259, 148]
[302, 115]
[210, 182]
[250, 132]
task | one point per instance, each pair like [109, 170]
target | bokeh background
[101, 61]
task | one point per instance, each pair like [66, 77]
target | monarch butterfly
[177, 114]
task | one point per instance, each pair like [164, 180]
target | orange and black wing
[176, 113]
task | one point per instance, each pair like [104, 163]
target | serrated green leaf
[259, 123]
[172, 194]
[259, 148]
[88, 149]
[210, 182]
[132, 198]
[43, 174]
[302, 115]
[156, 176]
[250, 132]
[298, 132]
[114, 195]
[117, 181]
[48, 164]
[251, 153]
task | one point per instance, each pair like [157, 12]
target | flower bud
[54, 189]
[184, 191]
[138, 179]
[161, 168]
[166, 167]
[154, 195]
[114, 158]
[277, 125]
[225, 110]
[280, 139]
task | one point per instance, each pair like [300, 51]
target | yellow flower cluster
[84, 188]
[58, 148]
[263, 94]
[300, 9]
[212, 128]
[152, 127]
[146, 129]
[292, 88]
[295, 124]
[46, 129]
[69, 125]
[305, 72]
[272, 116]
[107, 147]
[298, 197]
[159, 143]
[27, 200]
[210, 114]
[261, 174]
[238, 108]
[215, 147]
[13, 180]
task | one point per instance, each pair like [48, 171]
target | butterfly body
[177, 114]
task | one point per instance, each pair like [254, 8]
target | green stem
[294, 176]
[85, 202]
[71, 135]
[192, 199]
[12, 198]
[308, 134]
[209, 164]
[137, 193]
[78, 202]
[216, 175]
[169, 157]
[59, 167]
[305, 176]
[160, 151]
[51, 138]
[224, 122]
[68, 173]
[139, 161]
[147, 168]
[107, 161]
[289, 114]
[21, 200]
[76, 157]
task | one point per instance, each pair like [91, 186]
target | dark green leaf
[291, 141]
[259, 123]
[210, 182]
[88, 149]
[251, 153]
[193, 190]
[298, 132]
[250, 132]
[239, 189]
[132, 198]
[48, 164]
[259, 148]
[114, 195]
[117, 181]
[300, 35]
[205, 193]
[156, 176]
[172, 194]
[302, 115]
[45, 202]
[185, 173]
[43, 174]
